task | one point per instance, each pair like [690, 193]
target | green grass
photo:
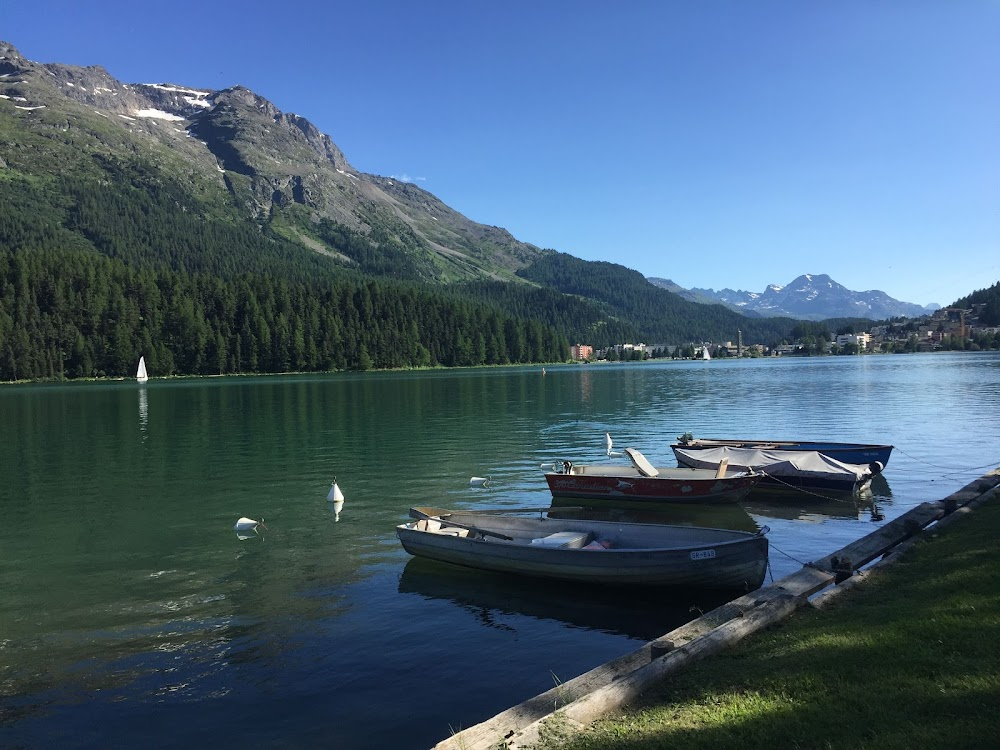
[910, 659]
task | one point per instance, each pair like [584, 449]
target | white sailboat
[704, 353]
[140, 374]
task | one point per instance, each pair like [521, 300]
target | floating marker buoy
[608, 444]
[479, 481]
[336, 497]
[245, 525]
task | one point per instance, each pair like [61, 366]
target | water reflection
[585, 386]
[491, 598]
[880, 488]
[711, 516]
[143, 411]
[317, 605]
[816, 508]
[808, 505]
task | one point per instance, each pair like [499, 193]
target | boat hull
[793, 483]
[785, 469]
[713, 558]
[848, 453]
[682, 486]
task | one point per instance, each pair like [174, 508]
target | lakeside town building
[928, 333]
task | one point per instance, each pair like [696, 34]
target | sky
[718, 143]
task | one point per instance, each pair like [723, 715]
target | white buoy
[479, 481]
[336, 497]
[608, 444]
[245, 525]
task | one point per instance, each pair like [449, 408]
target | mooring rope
[939, 466]
[799, 489]
[870, 505]
[790, 557]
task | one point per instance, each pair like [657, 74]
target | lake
[131, 614]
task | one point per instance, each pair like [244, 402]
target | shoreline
[569, 709]
[152, 378]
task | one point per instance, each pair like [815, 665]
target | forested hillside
[72, 314]
[658, 316]
[94, 275]
[991, 298]
[581, 320]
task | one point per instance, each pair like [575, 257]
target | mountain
[213, 233]
[276, 168]
[701, 297]
[810, 297]
[658, 316]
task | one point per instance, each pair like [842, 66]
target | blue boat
[848, 453]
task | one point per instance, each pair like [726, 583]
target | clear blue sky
[716, 143]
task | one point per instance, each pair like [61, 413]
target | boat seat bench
[437, 527]
[605, 471]
[560, 539]
[564, 540]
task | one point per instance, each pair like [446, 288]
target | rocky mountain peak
[11, 59]
[272, 163]
[808, 297]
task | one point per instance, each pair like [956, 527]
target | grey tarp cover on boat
[775, 463]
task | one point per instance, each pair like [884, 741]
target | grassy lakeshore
[909, 659]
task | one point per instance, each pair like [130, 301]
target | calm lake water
[131, 615]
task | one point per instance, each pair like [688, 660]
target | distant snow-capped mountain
[809, 297]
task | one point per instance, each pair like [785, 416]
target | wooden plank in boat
[640, 463]
[721, 471]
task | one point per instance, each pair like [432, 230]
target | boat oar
[420, 514]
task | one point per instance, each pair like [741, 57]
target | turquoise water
[132, 615]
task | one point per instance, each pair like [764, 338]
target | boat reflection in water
[642, 613]
[818, 506]
[721, 516]
[492, 597]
